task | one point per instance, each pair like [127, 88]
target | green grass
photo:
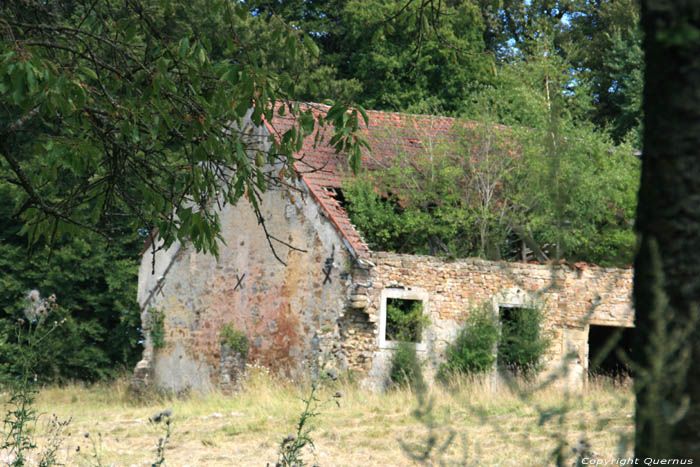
[494, 426]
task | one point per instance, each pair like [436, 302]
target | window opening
[404, 320]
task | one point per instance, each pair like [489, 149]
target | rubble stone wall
[571, 296]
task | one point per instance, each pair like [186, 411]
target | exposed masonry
[572, 297]
[327, 302]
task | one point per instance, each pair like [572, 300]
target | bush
[522, 344]
[473, 349]
[406, 367]
[235, 339]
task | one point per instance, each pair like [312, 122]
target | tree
[406, 56]
[666, 287]
[600, 41]
[136, 108]
[124, 119]
[605, 47]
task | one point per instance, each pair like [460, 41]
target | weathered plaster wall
[572, 298]
[288, 312]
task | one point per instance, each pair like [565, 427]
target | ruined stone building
[330, 295]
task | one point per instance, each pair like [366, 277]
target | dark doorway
[609, 351]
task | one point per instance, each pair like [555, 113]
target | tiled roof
[388, 134]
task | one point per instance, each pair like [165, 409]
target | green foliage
[473, 351]
[406, 368]
[96, 287]
[522, 343]
[405, 320]
[519, 345]
[157, 328]
[235, 339]
[581, 194]
[120, 109]
[94, 278]
[563, 188]
[598, 47]
[395, 59]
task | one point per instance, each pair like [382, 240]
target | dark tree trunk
[667, 267]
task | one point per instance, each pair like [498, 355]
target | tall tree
[406, 55]
[599, 40]
[666, 286]
[604, 45]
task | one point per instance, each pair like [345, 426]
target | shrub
[406, 367]
[522, 344]
[235, 339]
[473, 349]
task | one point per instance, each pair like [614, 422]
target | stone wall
[572, 297]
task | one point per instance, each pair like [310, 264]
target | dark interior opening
[609, 351]
[404, 320]
[337, 194]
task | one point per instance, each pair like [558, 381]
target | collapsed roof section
[389, 134]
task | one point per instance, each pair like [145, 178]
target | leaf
[363, 112]
[184, 47]
[130, 32]
[89, 72]
[311, 47]
[31, 78]
[242, 11]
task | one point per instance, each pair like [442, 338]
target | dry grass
[492, 426]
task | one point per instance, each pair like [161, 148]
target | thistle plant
[163, 443]
[20, 417]
[290, 451]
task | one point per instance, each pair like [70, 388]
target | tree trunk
[667, 267]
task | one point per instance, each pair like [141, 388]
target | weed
[96, 460]
[405, 320]
[522, 343]
[55, 429]
[162, 444]
[235, 339]
[290, 451]
[157, 328]
[20, 416]
[405, 366]
[473, 349]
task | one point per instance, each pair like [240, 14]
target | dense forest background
[566, 74]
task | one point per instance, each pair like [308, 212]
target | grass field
[487, 426]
